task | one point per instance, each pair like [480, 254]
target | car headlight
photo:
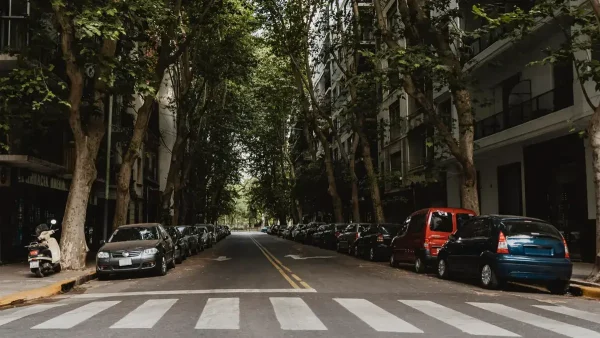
[103, 254]
[150, 251]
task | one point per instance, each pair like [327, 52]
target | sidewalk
[18, 284]
[582, 270]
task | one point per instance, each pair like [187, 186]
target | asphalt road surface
[248, 285]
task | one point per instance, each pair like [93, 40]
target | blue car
[496, 249]
[264, 229]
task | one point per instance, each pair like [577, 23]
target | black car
[136, 248]
[190, 233]
[374, 241]
[329, 236]
[181, 245]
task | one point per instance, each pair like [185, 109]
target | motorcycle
[44, 256]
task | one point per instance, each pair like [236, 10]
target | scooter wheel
[38, 272]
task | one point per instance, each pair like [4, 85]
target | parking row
[493, 249]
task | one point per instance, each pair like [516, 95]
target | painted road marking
[74, 317]
[265, 251]
[220, 313]
[24, 312]
[457, 319]
[182, 292]
[538, 321]
[146, 315]
[563, 310]
[294, 314]
[277, 267]
[376, 317]
[301, 258]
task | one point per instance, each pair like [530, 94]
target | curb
[581, 288]
[46, 291]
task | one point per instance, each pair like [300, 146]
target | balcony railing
[480, 44]
[541, 105]
[13, 33]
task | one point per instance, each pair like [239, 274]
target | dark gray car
[135, 248]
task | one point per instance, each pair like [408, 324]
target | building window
[13, 26]
[395, 120]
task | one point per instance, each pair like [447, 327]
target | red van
[425, 232]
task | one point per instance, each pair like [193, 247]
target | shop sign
[43, 181]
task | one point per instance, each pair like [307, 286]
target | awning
[32, 163]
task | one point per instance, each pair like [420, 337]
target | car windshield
[531, 228]
[390, 229]
[134, 234]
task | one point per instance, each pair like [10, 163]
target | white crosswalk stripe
[294, 314]
[77, 316]
[592, 317]
[377, 318]
[538, 321]
[146, 315]
[24, 312]
[220, 313]
[457, 319]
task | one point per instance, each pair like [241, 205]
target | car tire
[171, 264]
[161, 268]
[393, 262]
[372, 255]
[488, 278]
[558, 287]
[356, 252]
[337, 247]
[419, 265]
[350, 249]
[179, 259]
[443, 271]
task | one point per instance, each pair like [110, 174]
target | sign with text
[42, 180]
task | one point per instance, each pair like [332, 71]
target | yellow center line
[272, 256]
[297, 278]
[292, 283]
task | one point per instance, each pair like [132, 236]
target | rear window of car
[390, 229]
[531, 228]
[462, 218]
[441, 221]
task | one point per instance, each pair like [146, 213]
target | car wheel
[202, 247]
[558, 287]
[442, 271]
[179, 259]
[162, 267]
[488, 277]
[171, 264]
[419, 265]
[349, 249]
[372, 255]
[356, 253]
[393, 262]
[337, 247]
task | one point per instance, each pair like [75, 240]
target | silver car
[204, 235]
[134, 248]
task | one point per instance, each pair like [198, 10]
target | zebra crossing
[295, 314]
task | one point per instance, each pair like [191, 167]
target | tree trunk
[468, 191]
[332, 190]
[372, 178]
[132, 153]
[594, 135]
[354, 181]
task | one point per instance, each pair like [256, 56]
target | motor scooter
[44, 255]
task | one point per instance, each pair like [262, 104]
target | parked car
[204, 236]
[349, 236]
[181, 245]
[289, 232]
[426, 232]
[212, 233]
[296, 231]
[310, 230]
[135, 248]
[497, 248]
[375, 241]
[191, 236]
[264, 229]
[227, 230]
[317, 234]
[328, 239]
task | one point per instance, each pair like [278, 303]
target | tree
[427, 60]
[580, 25]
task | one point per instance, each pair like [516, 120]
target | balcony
[541, 105]
[13, 33]
[480, 44]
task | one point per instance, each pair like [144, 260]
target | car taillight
[357, 235]
[33, 253]
[380, 238]
[337, 234]
[566, 249]
[502, 244]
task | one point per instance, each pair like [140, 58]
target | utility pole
[107, 179]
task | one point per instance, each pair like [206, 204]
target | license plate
[34, 264]
[125, 262]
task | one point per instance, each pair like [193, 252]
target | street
[256, 285]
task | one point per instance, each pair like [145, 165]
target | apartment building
[36, 170]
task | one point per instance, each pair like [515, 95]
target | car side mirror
[452, 237]
[102, 242]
